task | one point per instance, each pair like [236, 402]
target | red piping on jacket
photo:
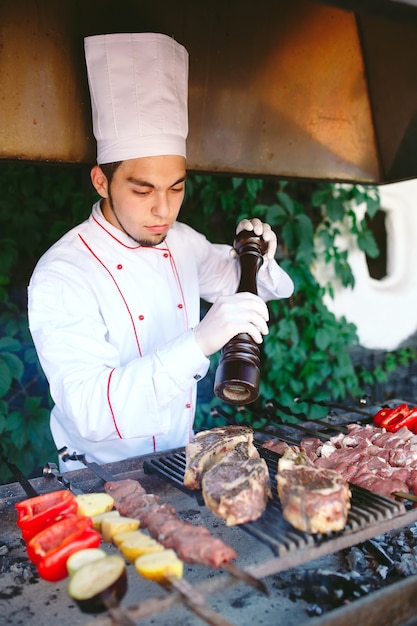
[134, 329]
[118, 289]
[110, 406]
[177, 278]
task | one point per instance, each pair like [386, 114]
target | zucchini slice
[100, 584]
[82, 557]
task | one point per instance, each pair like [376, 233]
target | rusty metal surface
[293, 89]
[44, 107]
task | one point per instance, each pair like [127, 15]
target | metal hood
[287, 88]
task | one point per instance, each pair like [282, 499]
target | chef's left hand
[261, 229]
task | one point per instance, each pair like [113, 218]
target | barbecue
[272, 547]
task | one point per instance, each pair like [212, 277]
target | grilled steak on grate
[209, 446]
[314, 500]
[237, 488]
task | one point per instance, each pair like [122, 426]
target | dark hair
[109, 169]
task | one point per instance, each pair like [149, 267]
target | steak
[237, 488]
[314, 500]
[209, 447]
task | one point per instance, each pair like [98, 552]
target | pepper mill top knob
[247, 242]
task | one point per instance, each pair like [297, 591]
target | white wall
[384, 311]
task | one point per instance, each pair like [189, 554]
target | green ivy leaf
[335, 209]
[320, 197]
[14, 363]
[323, 338]
[5, 378]
[253, 185]
[373, 205]
[9, 344]
[367, 243]
[287, 202]
[276, 214]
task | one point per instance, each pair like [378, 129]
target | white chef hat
[139, 86]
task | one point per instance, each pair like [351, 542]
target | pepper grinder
[238, 373]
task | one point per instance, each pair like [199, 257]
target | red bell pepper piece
[35, 514]
[384, 420]
[409, 420]
[51, 548]
[381, 415]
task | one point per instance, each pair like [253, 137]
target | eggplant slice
[99, 585]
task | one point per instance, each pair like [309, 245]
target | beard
[142, 242]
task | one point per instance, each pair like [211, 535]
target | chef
[114, 305]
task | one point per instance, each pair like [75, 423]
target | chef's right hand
[241, 312]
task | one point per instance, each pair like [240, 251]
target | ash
[379, 562]
[16, 566]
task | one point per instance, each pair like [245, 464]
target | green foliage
[38, 204]
[24, 406]
[390, 363]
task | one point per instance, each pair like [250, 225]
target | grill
[368, 509]
[369, 516]
[370, 513]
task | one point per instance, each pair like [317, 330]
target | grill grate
[367, 508]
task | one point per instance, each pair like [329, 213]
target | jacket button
[120, 266]
[188, 406]
[166, 255]
[141, 317]
[179, 306]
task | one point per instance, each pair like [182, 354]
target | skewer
[21, 478]
[118, 614]
[192, 598]
[196, 601]
[51, 470]
[405, 496]
[106, 476]
[245, 576]
[335, 405]
[98, 470]
[337, 427]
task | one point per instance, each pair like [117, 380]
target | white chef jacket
[112, 324]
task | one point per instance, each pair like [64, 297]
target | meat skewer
[193, 544]
[192, 598]
[118, 613]
[208, 550]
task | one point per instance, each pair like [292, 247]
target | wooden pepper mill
[238, 373]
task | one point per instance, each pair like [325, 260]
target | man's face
[144, 197]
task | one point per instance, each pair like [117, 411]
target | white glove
[228, 316]
[259, 228]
